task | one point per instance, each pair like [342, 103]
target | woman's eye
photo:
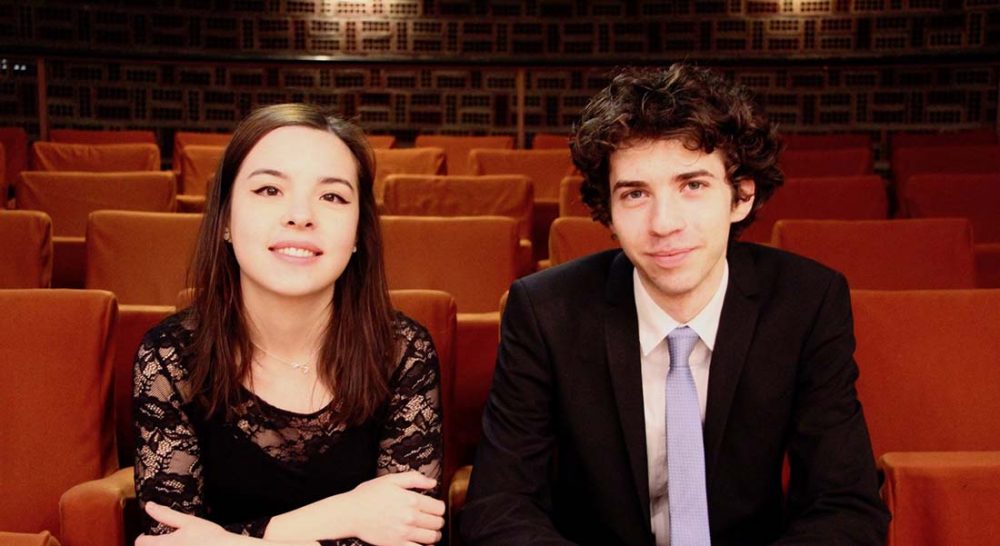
[267, 190]
[634, 194]
[333, 198]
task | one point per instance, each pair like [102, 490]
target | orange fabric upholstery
[26, 240]
[498, 195]
[436, 311]
[477, 356]
[546, 168]
[381, 141]
[570, 203]
[825, 198]
[405, 161]
[458, 147]
[972, 196]
[457, 490]
[120, 245]
[825, 141]
[550, 141]
[572, 237]
[101, 512]
[70, 197]
[970, 137]
[186, 138]
[55, 156]
[190, 203]
[887, 254]
[15, 146]
[928, 368]
[198, 163]
[942, 497]
[826, 162]
[910, 161]
[472, 258]
[84, 136]
[55, 383]
[988, 265]
[43, 538]
[448, 195]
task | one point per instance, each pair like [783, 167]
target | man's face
[671, 209]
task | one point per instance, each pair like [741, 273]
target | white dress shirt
[654, 325]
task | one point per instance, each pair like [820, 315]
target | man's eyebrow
[628, 184]
[694, 174]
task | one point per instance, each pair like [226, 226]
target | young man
[649, 396]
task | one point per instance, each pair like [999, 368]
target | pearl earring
[226, 236]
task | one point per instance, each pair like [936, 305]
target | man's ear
[746, 189]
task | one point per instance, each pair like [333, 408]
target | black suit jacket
[563, 453]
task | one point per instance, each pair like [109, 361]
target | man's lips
[670, 257]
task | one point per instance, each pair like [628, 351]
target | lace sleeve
[411, 435]
[167, 467]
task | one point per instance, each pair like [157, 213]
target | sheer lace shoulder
[411, 436]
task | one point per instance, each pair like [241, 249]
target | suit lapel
[621, 332]
[736, 329]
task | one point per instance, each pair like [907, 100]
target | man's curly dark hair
[696, 105]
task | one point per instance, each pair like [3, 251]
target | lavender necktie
[685, 448]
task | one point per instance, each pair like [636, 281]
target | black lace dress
[267, 461]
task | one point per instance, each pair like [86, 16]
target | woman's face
[294, 213]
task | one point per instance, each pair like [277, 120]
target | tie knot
[680, 343]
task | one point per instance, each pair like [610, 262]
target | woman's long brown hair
[358, 345]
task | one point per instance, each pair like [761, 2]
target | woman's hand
[386, 512]
[189, 530]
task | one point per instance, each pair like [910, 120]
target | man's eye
[267, 190]
[634, 194]
[695, 185]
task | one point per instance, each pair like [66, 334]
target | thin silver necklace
[300, 366]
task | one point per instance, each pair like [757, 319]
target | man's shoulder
[780, 273]
[588, 273]
[769, 258]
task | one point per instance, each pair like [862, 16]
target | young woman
[289, 403]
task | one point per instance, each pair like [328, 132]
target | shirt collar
[655, 323]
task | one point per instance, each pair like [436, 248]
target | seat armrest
[94, 513]
[942, 497]
[456, 500]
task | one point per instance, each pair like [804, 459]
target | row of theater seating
[195, 155]
[454, 155]
[16, 141]
[927, 384]
[68, 198]
[198, 155]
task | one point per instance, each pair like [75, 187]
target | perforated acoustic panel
[597, 29]
[451, 67]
